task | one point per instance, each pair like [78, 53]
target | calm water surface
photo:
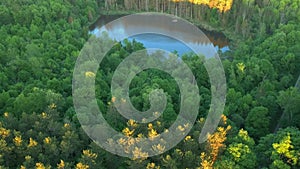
[153, 40]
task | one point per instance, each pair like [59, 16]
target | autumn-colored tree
[215, 145]
[216, 142]
[221, 5]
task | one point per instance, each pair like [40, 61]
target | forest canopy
[41, 40]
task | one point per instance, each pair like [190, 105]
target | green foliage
[280, 149]
[39, 44]
[240, 153]
[289, 100]
[257, 122]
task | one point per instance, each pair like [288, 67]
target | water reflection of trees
[163, 25]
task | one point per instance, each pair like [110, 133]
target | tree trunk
[146, 5]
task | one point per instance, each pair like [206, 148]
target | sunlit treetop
[221, 5]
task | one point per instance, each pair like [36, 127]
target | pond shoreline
[230, 35]
[218, 38]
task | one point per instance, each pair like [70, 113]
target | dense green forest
[39, 44]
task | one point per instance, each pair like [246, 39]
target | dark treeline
[250, 18]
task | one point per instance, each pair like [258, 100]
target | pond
[150, 40]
